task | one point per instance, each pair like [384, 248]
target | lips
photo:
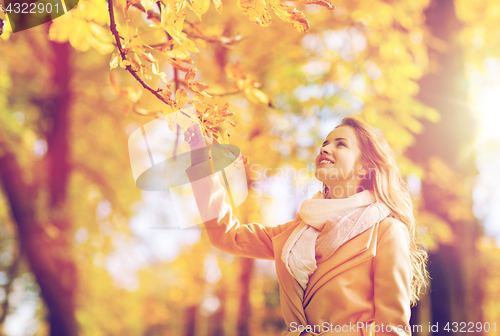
[322, 160]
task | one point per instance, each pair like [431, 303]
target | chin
[323, 174]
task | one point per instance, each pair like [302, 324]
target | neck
[343, 189]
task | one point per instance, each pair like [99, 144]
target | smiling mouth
[323, 162]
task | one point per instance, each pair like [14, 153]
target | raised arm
[252, 240]
[392, 279]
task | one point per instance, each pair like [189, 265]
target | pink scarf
[326, 225]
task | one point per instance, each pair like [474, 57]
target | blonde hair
[391, 189]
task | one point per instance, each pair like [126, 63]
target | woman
[348, 264]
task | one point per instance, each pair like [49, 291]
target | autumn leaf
[256, 11]
[324, 3]
[155, 68]
[165, 46]
[148, 57]
[190, 75]
[176, 53]
[163, 77]
[218, 6]
[166, 93]
[114, 61]
[198, 86]
[178, 65]
[180, 98]
[181, 39]
[256, 96]
[147, 4]
[200, 7]
[290, 14]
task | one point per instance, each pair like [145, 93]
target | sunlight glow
[488, 100]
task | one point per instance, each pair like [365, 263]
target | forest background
[84, 251]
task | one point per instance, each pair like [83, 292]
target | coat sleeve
[392, 280]
[224, 230]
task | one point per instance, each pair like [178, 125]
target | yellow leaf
[114, 61]
[256, 96]
[218, 6]
[155, 68]
[324, 3]
[290, 14]
[124, 63]
[200, 7]
[178, 65]
[176, 53]
[148, 57]
[168, 110]
[99, 32]
[163, 77]
[181, 39]
[147, 4]
[256, 11]
[180, 97]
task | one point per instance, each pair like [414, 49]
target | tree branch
[112, 27]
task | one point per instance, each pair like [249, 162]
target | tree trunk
[48, 245]
[190, 320]
[243, 325]
[216, 325]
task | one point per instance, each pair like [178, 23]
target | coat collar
[351, 253]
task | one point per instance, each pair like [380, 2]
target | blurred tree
[446, 151]
[46, 241]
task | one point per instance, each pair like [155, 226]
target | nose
[324, 151]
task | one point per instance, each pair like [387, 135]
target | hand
[193, 136]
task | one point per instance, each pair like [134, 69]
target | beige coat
[367, 280]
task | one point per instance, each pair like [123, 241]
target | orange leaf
[190, 75]
[180, 98]
[166, 93]
[198, 86]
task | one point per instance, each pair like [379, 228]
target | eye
[341, 144]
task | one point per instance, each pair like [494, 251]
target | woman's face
[343, 155]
